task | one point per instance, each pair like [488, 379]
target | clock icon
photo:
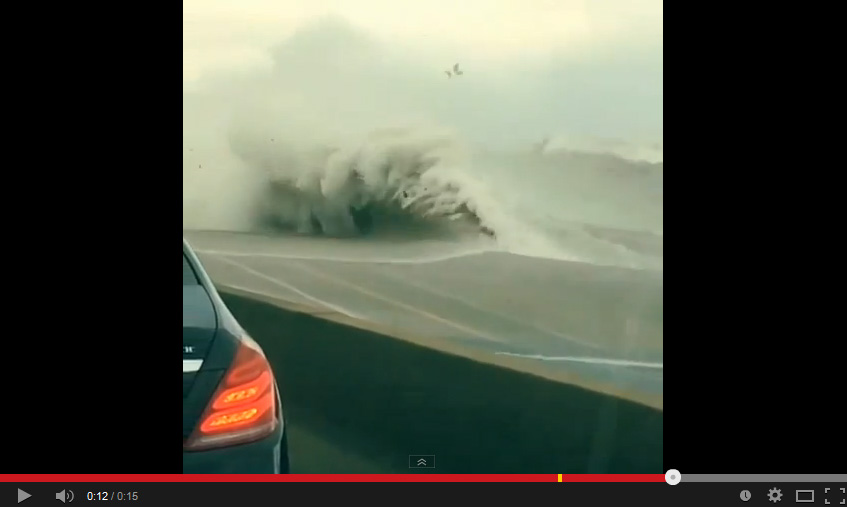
[843, 496]
[745, 495]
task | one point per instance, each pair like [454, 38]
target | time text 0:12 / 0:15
[111, 495]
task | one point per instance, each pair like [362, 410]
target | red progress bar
[611, 478]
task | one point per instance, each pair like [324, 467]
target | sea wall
[384, 397]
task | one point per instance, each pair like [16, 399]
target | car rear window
[189, 277]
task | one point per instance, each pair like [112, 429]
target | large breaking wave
[304, 149]
[424, 183]
[395, 181]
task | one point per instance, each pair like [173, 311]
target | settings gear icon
[775, 495]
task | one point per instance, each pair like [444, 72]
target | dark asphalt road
[603, 325]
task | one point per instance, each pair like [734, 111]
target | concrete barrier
[385, 398]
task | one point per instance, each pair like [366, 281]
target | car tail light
[243, 408]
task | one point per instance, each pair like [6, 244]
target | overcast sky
[590, 66]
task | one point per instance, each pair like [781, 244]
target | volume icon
[65, 496]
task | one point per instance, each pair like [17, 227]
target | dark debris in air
[454, 71]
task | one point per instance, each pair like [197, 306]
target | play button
[22, 495]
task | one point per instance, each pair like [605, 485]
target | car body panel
[210, 339]
[198, 310]
[266, 456]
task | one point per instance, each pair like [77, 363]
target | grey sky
[534, 67]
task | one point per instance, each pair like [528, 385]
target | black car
[232, 420]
